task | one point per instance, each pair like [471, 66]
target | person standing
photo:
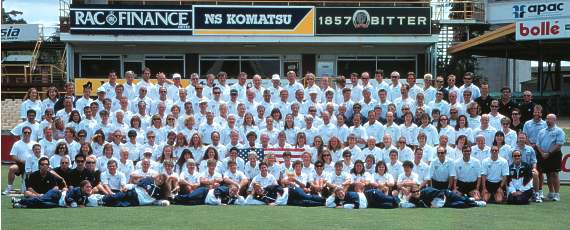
[550, 140]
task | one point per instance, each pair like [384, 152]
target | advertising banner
[20, 32]
[254, 20]
[373, 21]
[124, 19]
[539, 29]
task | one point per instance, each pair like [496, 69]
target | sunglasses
[90, 162]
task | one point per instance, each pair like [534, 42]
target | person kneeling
[519, 190]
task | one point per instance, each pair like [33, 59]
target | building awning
[502, 43]
[196, 39]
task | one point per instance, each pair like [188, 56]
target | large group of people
[366, 141]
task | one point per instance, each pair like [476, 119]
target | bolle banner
[373, 21]
[539, 29]
[114, 19]
[254, 20]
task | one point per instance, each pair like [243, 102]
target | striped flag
[296, 154]
[242, 153]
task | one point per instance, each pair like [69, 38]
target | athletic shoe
[556, 197]
[16, 202]
[537, 198]
[163, 203]
[7, 191]
[550, 196]
[481, 203]
[17, 205]
[406, 204]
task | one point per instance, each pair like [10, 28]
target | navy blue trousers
[50, 199]
[298, 197]
[122, 199]
[377, 199]
[195, 197]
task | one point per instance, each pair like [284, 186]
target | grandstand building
[330, 37]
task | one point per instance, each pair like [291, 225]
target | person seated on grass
[79, 173]
[147, 191]
[519, 189]
[359, 175]
[494, 174]
[468, 175]
[144, 171]
[222, 195]
[94, 176]
[339, 178]
[189, 178]
[113, 180]
[407, 179]
[319, 179]
[171, 176]
[296, 178]
[382, 180]
[296, 189]
[43, 180]
[430, 197]
[233, 176]
[211, 178]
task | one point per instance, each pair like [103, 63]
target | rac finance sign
[373, 21]
[112, 19]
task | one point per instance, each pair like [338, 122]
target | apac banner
[254, 20]
[541, 29]
[373, 21]
[20, 32]
[508, 12]
[125, 19]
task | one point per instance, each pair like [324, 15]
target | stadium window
[215, 64]
[402, 64]
[357, 64]
[168, 64]
[233, 65]
[264, 66]
[98, 66]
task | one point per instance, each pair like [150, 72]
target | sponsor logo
[535, 10]
[361, 19]
[10, 34]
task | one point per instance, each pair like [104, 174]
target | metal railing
[22, 75]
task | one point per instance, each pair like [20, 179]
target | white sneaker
[550, 196]
[556, 197]
[8, 190]
[481, 203]
[537, 198]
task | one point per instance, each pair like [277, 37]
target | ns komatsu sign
[130, 19]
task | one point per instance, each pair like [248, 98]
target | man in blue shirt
[550, 141]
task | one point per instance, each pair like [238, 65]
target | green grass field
[548, 215]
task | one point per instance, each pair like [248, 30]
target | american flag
[244, 152]
[296, 154]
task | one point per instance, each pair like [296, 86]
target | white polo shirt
[467, 171]
[114, 181]
[441, 171]
[495, 169]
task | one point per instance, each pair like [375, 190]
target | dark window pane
[99, 68]
[168, 67]
[402, 66]
[347, 67]
[265, 68]
[214, 67]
